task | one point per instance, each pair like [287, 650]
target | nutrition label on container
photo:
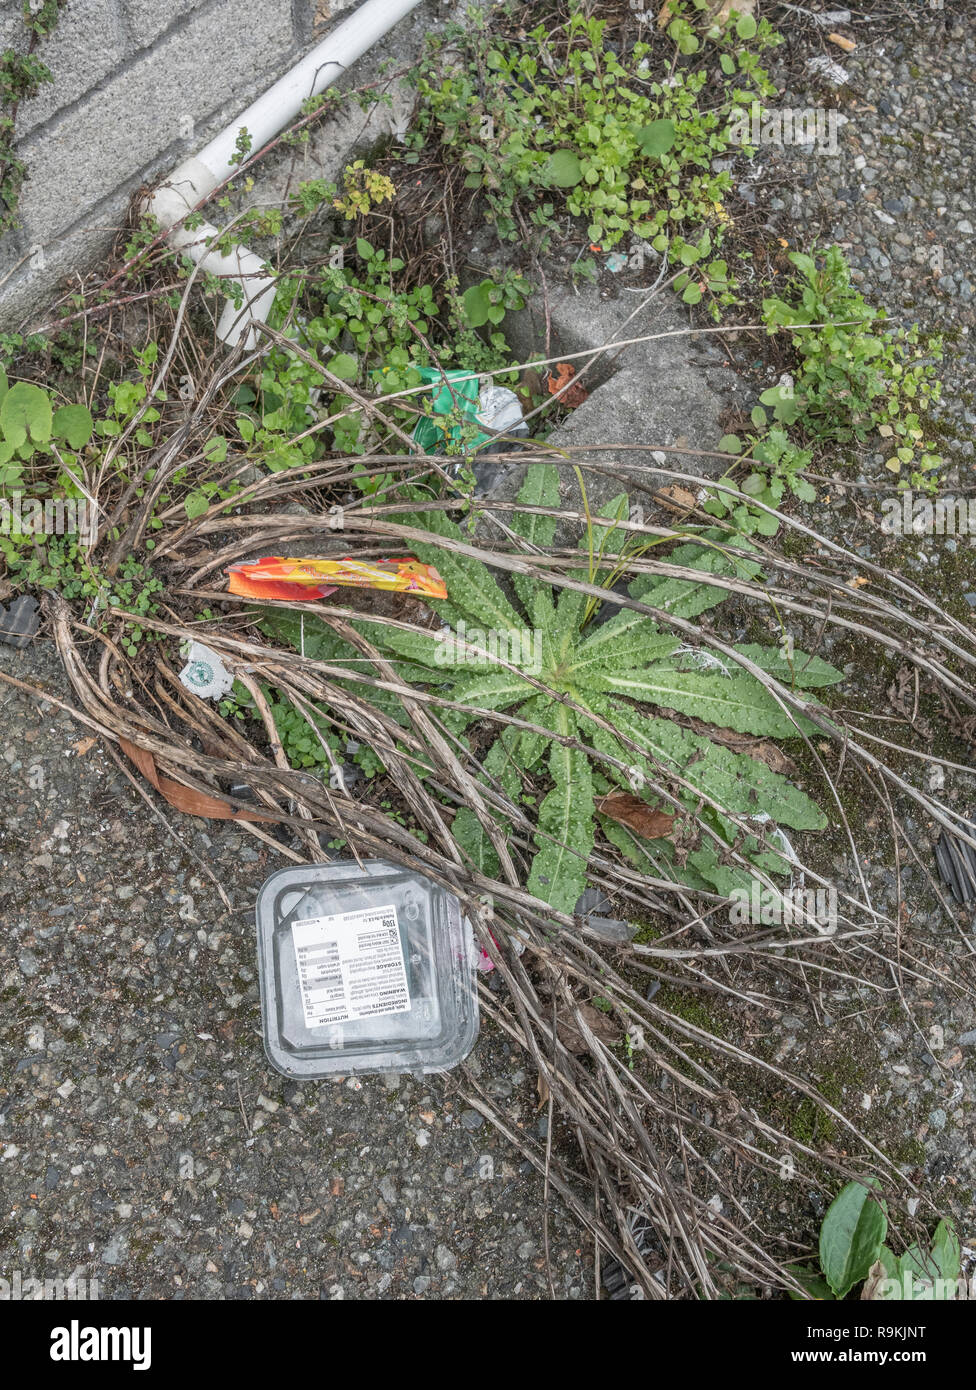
[350, 966]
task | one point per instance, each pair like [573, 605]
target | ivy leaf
[851, 1237]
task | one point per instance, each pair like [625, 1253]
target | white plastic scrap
[828, 19]
[204, 673]
[499, 410]
[777, 834]
[707, 660]
[834, 73]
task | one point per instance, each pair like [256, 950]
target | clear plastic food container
[363, 970]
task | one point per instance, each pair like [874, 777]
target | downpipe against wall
[197, 177]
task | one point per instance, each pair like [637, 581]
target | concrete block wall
[138, 85]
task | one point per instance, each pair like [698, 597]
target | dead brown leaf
[877, 1275]
[83, 745]
[561, 382]
[676, 499]
[721, 10]
[761, 748]
[601, 1025]
[629, 810]
[182, 798]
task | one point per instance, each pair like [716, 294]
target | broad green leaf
[540, 489]
[26, 410]
[620, 643]
[195, 504]
[467, 828]
[814, 1283]
[74, 424]
[530, 747]
[946, 1250]
[800, 669]
[655, 857]
[684, 597]
[656, 138]
[735, 781]
[472, 838]
[215, 449]
[488, 690]
[473, 589]
[306, 634]
[734, 701]
[344, 366]
[476, 305]
[851, 1237]
[558, 874]
[562, 169]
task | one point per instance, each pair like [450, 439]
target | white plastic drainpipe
[197, 177]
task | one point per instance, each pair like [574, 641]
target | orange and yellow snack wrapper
[275, 576]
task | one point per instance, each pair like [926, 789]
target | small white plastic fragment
[499, 409]
[204, 673]
[833, 73]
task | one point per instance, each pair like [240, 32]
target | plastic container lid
[363, 970]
